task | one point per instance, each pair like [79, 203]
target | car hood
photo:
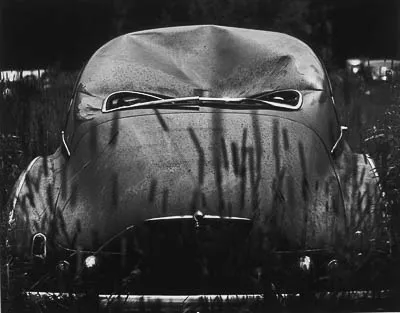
[246, 164]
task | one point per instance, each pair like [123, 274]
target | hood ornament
[198, 216]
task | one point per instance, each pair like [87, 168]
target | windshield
[285, 99]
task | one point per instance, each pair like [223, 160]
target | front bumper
[355, 299]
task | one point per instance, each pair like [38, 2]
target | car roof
[224, 61]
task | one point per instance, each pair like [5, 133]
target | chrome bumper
[203, 303]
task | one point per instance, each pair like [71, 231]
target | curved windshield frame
[287, 99]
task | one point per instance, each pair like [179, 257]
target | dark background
[64, 33]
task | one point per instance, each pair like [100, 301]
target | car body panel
[221, 163]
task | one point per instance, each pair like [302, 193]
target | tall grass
[32, 113]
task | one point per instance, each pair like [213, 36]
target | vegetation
[32, 113]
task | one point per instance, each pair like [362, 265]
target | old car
[196, 160]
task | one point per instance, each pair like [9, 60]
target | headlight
[91, 262]
[305, 263]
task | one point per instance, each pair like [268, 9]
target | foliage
[382, 141]
[35, 110]
[372, 112]
[31, 116]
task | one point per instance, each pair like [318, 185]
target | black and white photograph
[199, 156]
